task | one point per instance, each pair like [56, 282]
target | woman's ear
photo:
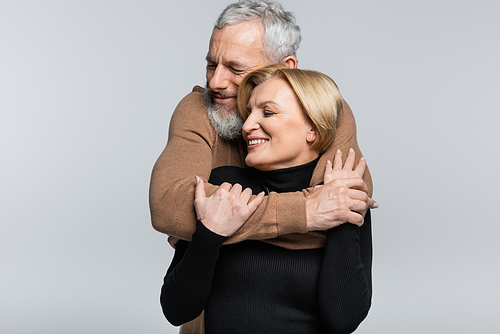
[311, 135]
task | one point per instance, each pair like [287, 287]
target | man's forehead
[236, 44]
[226, 62]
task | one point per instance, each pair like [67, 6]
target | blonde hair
[318, 94]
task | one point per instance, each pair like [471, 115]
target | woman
[252, 286]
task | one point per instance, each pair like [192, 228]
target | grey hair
[281, 35]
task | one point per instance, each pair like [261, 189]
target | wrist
[291, 213]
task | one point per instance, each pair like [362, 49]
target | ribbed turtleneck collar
[288, 179]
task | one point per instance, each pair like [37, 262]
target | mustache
[222, 94]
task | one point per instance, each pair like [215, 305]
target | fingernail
[351, 150]
[362, 158]
[339, 151]
[328, 162]
[197, 179]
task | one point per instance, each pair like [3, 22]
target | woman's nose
[250, 124]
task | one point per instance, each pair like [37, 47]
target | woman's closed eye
[268, 113]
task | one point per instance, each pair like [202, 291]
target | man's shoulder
[192, 102]
[191, 107]
[191, 116]
[198, 89]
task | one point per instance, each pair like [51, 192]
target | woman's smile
[254, 142]
[276, 128]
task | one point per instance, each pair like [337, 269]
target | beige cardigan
[194, 148]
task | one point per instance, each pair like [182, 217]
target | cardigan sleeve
[345, 285]
[193, 148]
[189, 152]
[188, 281]
[345, 138]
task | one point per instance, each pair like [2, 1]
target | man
[205, 133]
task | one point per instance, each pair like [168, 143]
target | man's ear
[290, 62]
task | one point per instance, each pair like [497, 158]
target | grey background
[87, 89]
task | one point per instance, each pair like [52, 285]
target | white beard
[226, 122]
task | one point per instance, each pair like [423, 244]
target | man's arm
[189, 153]
[345, 139]
[293, 210]
[194, 149]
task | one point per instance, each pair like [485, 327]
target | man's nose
[220, 79]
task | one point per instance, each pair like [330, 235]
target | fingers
[254, 204]
[358, 206]
[345, 170]
[245, 197]
[355, 218]
[358, 195]
[349, 163]
[237, 193]
[225, 187]
[199, 191]
[328, 167]
[351, 183]
[234, 190]
[245, 194]
[329, 173]
[316, 187]
[372, 204]
[356, 211]
[337, 161]
[360, 168]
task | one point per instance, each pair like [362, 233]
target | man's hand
[343, 197]
[227, 209]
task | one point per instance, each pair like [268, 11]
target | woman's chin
[249, 162]
[255, 164]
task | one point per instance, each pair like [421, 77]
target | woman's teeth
[256, 141]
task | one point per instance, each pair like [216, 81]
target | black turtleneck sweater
[255, 287]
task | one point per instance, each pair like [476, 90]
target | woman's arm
[345, 287]
[188, 281]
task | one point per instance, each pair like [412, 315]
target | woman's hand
[346, 172]
[338, 172]
[227, 209]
